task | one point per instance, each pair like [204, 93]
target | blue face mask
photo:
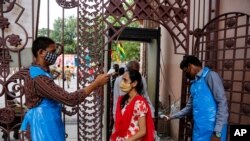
[50, 58]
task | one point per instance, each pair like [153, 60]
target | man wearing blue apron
[207, 102]
[44, 98]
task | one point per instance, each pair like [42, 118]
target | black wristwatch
[217, 134]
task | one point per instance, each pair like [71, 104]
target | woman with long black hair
[133, 121]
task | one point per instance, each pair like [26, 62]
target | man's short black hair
[41, 43]
[121, 71]
[190, 59]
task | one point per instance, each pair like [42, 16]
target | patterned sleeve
[46, 87]
[140, 109]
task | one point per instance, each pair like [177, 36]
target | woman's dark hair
[41, 43]
[190, 59]
[134, 75]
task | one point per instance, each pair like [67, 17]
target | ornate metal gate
[14, 39]
[224, 45]
[93, 24]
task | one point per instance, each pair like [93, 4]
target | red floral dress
[140, 110]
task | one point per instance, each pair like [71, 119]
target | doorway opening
[147, 42]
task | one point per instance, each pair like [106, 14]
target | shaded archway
[94, 25]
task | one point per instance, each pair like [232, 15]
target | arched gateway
[19, 25]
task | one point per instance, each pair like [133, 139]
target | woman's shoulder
[140, 107]
[140, 103]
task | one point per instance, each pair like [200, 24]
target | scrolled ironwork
[67, 3]
[7, 115]
[8, 5]
[15, 84]
[228, 64]
[71, 112]
[231, 22]
[4, 23]
[5, 58]
[248, 41]
[247, 87]
[1, 43]
[14, 40]
[229, 43]
[197, 32]
[248, 64]
[2, 87]
[245, 108]
[14, 43]
[227, 85]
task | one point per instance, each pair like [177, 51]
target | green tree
[131, 50]
[43, 32]
[69, 31]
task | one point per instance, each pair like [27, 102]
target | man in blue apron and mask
[44, 98]
[207, 102]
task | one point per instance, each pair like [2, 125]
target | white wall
[242, 6]
[24, 27]
[151, 69]
[170, 77]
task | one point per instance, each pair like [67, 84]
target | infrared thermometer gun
[111, 71]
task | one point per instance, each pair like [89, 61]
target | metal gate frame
[92, 25]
